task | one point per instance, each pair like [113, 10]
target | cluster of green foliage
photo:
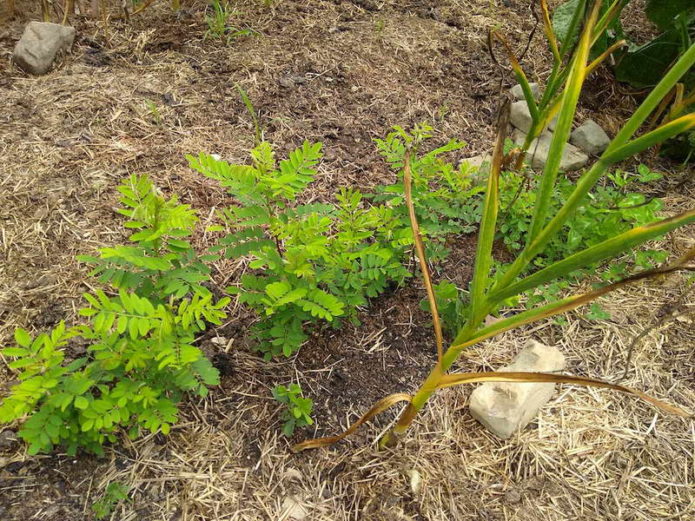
[115, 493]
[218, 20]
[140, 357]
[446, 199]
[298, 409]
[313, 263]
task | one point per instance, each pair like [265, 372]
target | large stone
[518, 92]
[590, 137]
[520, 117]
[41, 42]
[572, 157]
[504, 408]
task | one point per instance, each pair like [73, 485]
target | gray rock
[518, 92]
[41, 42]
[505, 408]
[8, 440]
[572, 157]
[590, 137]
[480, 165]
[520, 117]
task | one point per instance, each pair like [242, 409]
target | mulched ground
[341, 72]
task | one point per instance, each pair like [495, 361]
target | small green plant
[312, 262]
[446, 198]
[140, 355]
[218, 23]
[298, 410]
[115, 493]
[154, 111]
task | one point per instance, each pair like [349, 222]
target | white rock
[572, 157]
[518, 92]
[504, 407]
[293, 509]
[590, 137]
[40, 44]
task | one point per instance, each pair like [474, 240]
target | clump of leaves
[139, 338]
[444, 196]
[313, 263]
[298, 409]
[115, 493]
[218, 21]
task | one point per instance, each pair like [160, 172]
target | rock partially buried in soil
[572, 157]
[41, 42]
[520, 117]
[481, 167]
[503, 408]
[590, 137]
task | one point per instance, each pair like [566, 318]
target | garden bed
[342, 73]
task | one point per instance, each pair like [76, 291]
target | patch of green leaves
[298, 409]
[311, 263]
[141, 358]
[115, 493]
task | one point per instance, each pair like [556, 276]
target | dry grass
[328, 71]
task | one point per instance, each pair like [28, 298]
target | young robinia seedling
[488, 293]
[115, 492]
[446, 199]
[140, 357]
[298, 410]
[312, 263]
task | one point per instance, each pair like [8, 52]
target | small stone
[8, 440]
[518, 92]
[292, 474]
[415, 481]
[520, 116]
[572, 157]
[480, 167]
[505, 407]
[40, 44]
[293, 509]
[512, 496]
[590, 137]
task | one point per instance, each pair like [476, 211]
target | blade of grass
[452, 380]
[420, 250]
[464, 340]
[488, 223]
[549, 32]
[377, 408]
[656, 136]
[563, 127]
[520, 76]
[675, 73]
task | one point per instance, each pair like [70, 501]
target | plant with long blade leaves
[546, 106]
[488, 294]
